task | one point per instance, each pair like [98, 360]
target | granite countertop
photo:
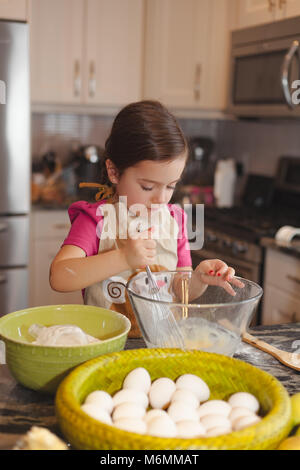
[290, 248]
[21, 408]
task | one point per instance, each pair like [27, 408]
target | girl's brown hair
[144, 130]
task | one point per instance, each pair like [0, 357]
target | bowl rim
[200, 306]
[127, 327]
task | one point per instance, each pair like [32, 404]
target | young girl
[145, 156]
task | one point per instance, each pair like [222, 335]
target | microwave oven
[265, 70]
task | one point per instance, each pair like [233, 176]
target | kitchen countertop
[290, 248]
[21, 408]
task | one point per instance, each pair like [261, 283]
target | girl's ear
[112, 171]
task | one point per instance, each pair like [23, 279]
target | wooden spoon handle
[258, 343]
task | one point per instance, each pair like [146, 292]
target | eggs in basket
[168, 408]
[152, 399]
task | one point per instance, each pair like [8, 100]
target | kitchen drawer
[13, 290]
[14, 240]
[50, 224]
[283, 271]
[41, 292]
[279, 307]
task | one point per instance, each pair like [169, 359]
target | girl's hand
[140, 251]
[215, 272]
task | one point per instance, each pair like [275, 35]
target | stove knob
[238, 247]
[211, 237]
[226, 243]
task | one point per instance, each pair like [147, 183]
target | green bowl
[42, 368]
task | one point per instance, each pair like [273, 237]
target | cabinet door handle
[197, 84]
[92, 80]
[77, 78]
[272, 4]
[282, 4]
[293, 278]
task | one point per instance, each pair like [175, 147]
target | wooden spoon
[288, 359]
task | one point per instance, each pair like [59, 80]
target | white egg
[190, 429]
[162, 426]
[138, 379]
[213, 421]
[131, 425]
[97, 413]
[160, 392]
[239, 412]
[244, 400]
[216, 407]
[130, 395]
[179, 411]
[185, 396]
[101, 399]
[245, 421]
[218, 431]
[194, 384]
[154, 414]
[128, 410]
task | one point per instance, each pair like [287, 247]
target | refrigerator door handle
[285, 73]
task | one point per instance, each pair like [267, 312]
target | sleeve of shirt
[183, 247]
[86, 227]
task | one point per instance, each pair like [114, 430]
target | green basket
[224, 376]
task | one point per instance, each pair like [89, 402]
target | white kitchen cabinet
[56, 31]
[114, 51]
[280, 307]
[289, 8]
[281, 301]
[86, 51]
[49, 229]
[254, 12]
[13, 10]
[186, 55]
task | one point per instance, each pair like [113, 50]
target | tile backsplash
[256, 144]
[61, 132]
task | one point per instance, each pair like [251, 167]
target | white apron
[111, 293]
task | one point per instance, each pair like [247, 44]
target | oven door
[265, 79]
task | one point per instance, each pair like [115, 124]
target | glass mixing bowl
[179, 316]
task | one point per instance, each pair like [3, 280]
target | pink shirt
[87, 222]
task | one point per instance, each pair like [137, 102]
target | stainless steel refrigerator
[14, 165]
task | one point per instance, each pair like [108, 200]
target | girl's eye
[146, 188]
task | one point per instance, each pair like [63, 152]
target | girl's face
[149, 182]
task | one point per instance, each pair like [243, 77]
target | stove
[251, 224]
[234, 234]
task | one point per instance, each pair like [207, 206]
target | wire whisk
[167, 333]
